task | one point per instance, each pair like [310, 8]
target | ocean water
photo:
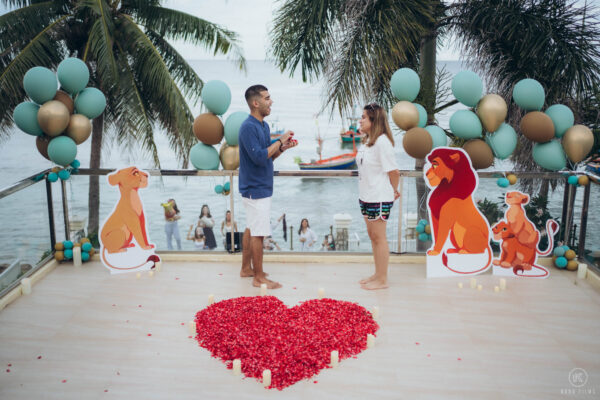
[297, 106]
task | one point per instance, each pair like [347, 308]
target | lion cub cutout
[519, 240]
[124, 242]
[461, 234]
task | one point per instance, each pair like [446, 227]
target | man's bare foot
[248, 273]
[375, 284]
[366, 280]
[257, 281]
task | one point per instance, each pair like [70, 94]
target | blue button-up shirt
[256, 168]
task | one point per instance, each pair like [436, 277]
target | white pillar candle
[502, 284]
[370, 341]
[335, 358]
[460, 285]
[211, 299]
[263, 289]
[26, 286]
[473, 283]
[321, 293]
[496, 289]
[151, 274]
[582, 271]
[267, 378]
[77, 256]
[157, 265]
[138, 275]
[237, 366]
[192, 327]
[479, 287]
[375, 313]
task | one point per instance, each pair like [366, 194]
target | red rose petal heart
[294, 343]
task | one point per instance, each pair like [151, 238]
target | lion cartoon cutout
[519, 240]
[461, 234]
[124, 242]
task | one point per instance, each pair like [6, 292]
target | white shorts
[258, 216]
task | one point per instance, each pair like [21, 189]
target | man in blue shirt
[256, 181]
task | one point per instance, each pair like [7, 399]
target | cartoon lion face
[129, 177]
[502, 231]
[438, 172]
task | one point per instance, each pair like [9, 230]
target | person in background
[171, 226]
[197, 237]
[307, 236]
[226, 226]
[207, 223]
[328, 243]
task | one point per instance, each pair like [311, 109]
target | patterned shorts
[375, 211]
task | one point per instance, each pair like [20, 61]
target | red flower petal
[64, 381]
[149, 334]
[39, 357]
[7, 370]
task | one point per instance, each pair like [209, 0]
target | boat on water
[352, 134]
[342, 161]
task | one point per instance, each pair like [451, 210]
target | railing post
[50, 214]
[583, 225]
[569, 214]
[232, 236]
[63, 186]
[291, 238]
[401, 187]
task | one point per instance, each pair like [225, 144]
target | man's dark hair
[254, 91]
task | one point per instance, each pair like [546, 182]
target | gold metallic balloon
[583, 180]
[53, 117]
[66, 100]
[405, 115]
[417, 142]
[79, 128]
[577, 142]
[208, 128]
[492, 112]
[230, 157]
[512, 178]
[42, 142]
[537, 126]
[480, 153]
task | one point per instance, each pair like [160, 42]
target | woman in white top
[226, 226]
[378, 179]
[208, 223]
[198, 237]
[307, 236]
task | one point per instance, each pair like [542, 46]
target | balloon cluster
[63, 173]
[209, 130]
[504, 182]
[424, 230]
[565, 258]
[64, 250]
[223, 189]
[60, 119]
[557, 122]
[575, 180]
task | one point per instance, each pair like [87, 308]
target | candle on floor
[77, 256]
[138, 275]
[502, 284]
[375, 313]
[237, 366]
[263, 289]
[479, 287]
[473, 283]
[370, 341]
[321, 293]
[151, 274]
[582, 271]
[26, 286]
[460, 285]
[192, 327]
[335, 358]
[211, 299]
[158, 265]
[267, 378]
[496, 289]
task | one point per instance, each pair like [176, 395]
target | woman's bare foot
[257, 281]
[248, 273]
[366, 280]
[375, 284]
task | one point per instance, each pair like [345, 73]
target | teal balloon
[405, 84]
[52, 177]
[562, 117]
[422, 115]
[68, 244]
[86, 246]
[467, 88]
[62, 150]
[25, 117]
[420, 228]
[218, 189]
[529, 95]
[232, 127]
[565, 247]
[503, 182]
[68, 253]
[85, 256]
[438, 136]
[75, 164]
[549, 155]
[561, 262]
[64, 174]
[216, 96]
[503, 142]
[465, 124]
[423, 237]
[572, 180]
[40, 84]
[423, 222]
[204, 156]
[90, 102]
[559, 251]
[73, 75]
[226, 187]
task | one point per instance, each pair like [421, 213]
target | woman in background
[307, 236]
[208, 223]
[171, 226]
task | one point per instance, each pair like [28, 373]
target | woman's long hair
[307, 225]
[168, 215]
[207, 209]
[198, 235]
[379, 124]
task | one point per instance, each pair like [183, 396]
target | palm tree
[125, 45]
[356, 46]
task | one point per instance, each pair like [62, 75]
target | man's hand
[286, 137]
[289, 145]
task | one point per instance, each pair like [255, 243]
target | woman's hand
[302, 240]
[396, 195]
